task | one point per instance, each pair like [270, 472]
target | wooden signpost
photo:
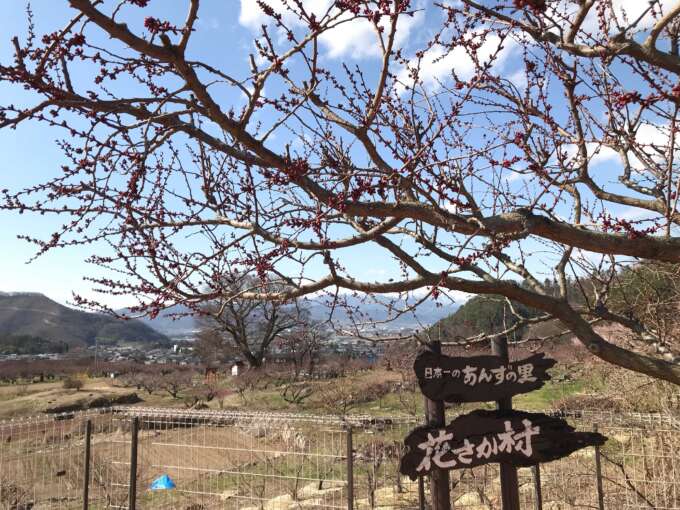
[482, 437]
[479, 378]
[509, 437]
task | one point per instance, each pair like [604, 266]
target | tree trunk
[254, 360]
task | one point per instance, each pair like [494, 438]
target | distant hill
[381, 309]
[35, 315]
[172, 323]
[481, 314]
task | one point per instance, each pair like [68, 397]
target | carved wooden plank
[479, 378]
[481, 437]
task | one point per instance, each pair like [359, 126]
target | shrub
[71, 383]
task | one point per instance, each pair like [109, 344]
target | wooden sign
[482, 437]
[479, 378]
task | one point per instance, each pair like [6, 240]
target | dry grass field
[279, 461]
[259, 461]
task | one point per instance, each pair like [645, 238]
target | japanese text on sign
[479, 378]
[518, 438]
[471, 375]
[439, 446]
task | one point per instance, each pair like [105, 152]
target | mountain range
[174, 322]
[35, 316]
[391, 313]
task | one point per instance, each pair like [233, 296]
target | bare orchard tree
[296, 393]
[301, 346]
[244, 328]
[649, 295]
[528, 140]
[175, 382]
[398, 357]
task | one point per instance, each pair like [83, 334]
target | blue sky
[223, 39]
[29, 154]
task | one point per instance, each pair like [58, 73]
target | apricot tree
[525, 139]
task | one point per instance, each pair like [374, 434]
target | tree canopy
[244, 328]
[545, 149]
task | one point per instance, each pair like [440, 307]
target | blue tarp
[163, 482]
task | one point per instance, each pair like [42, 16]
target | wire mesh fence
[272, 461]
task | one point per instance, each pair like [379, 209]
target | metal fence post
[598, 475]
[421, 493]
[350, 469]
[132, 496]
[538, 494]
[86, 465]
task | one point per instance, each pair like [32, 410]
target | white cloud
[436, 66]
[654, 141]
[636, 214]
[511, 176]
[251, 16]
[601, 154]
[632, 9]
[653, 134]
[356, 38]
[359, 39]
[519, 79]
[597, 153]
